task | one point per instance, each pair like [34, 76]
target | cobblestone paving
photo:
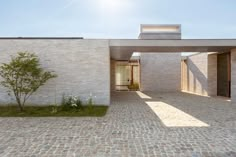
[130, 128]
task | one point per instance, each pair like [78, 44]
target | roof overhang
[122, 49]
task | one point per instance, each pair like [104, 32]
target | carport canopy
[122, 49]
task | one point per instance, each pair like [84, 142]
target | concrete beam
[185, 45]
[174, 43]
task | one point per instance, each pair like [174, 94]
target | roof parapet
[164, 31]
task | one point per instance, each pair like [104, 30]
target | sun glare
[111, 6]
[174, 117]
[111, 3]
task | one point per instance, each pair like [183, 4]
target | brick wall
[200, 74]
[212, 75]
[82, 66]
[160, 72]
[113, 75]
[233, 76]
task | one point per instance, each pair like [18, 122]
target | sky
[200, 19]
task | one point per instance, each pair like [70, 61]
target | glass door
[123, 77]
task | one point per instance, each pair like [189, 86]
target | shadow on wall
[197, 81]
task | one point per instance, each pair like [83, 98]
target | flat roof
[41, 38]
[174, 42]
[122, 49]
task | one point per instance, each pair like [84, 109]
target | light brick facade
[199, 74]
[160, 72]
[233, 76]
[85, 67]
[82, 66]
[212, 75]
[113, 75]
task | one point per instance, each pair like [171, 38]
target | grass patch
[47, 111]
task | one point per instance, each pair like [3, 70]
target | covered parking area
[176, 124]
[122, 50]
[179, 124]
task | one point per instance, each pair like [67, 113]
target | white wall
[82, 66]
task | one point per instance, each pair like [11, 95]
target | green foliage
[134, 86]
[90, 103]
[78, 103]
[51, 111]
[54, 109]
[71, 102]
[23, 76]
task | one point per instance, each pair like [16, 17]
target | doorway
[127, 75]
[224, 75]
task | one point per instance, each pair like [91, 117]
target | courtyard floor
[137, 124]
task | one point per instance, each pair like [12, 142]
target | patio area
[137, 124]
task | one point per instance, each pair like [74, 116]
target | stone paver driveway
[130, 128]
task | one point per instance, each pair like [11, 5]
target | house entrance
[127, 75]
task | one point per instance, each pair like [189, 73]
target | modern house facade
[160, 71]
[97, 67]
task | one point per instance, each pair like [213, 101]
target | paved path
[131, 128]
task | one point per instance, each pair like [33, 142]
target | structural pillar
[233, 76]
[212, 75]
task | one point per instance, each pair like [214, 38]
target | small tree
[23, 76]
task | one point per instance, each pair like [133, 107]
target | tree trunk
[19, 104]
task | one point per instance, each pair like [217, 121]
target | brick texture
[200, 74]
[82, 66]
[160, 72]
[212, 75]
[233, 76]
[113, 75]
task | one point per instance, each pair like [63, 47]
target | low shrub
[134, 86]
[70, 102]
[90, 103]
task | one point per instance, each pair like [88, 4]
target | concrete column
[233, 76]
[212, 75]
